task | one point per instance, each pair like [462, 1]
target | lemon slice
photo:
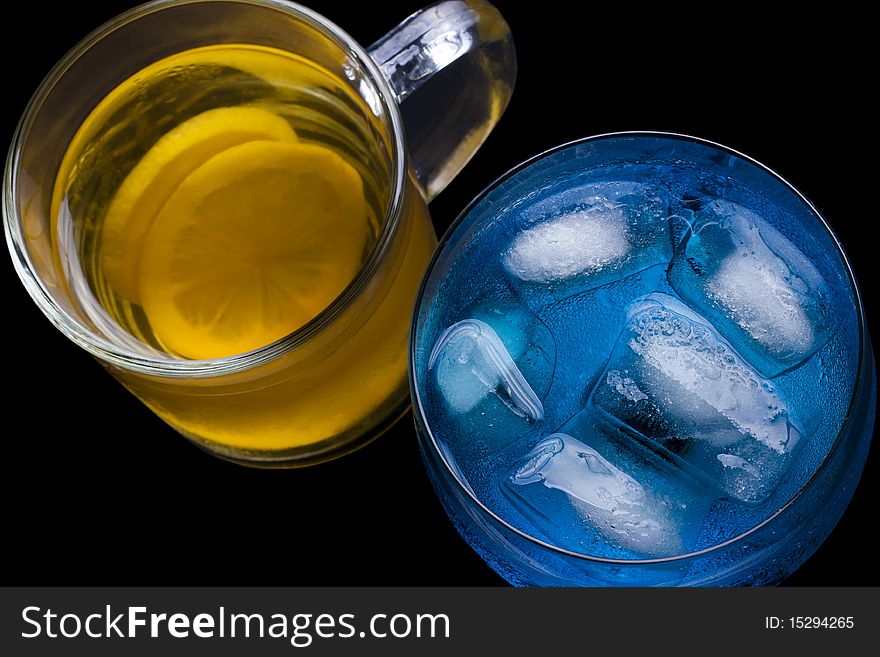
[167, 164]
[251, 246]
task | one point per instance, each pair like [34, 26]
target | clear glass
[282, 390]
[794, 520]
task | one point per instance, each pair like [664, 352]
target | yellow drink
[219, 200]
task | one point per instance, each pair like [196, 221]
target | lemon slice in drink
[251, 246]
[154, 179]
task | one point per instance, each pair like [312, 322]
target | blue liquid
[564, 324]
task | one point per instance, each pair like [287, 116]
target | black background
[100, 491]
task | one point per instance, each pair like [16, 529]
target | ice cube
[491, 371]
[585, 237]
[472, 362]
[593, 492]
[677, 383]
[580, 242]
[756, 287]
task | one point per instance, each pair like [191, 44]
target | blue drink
[642, 359]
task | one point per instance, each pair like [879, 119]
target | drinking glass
[434, 86]
[813, 494]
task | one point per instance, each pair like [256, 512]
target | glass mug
[332, 385]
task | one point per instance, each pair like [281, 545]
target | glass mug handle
[452, 66]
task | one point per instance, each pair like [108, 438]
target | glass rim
[130, 360]
[425, 429]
